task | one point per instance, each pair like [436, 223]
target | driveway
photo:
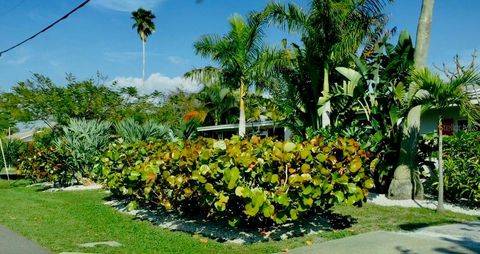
[461, 238]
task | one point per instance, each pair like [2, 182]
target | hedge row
[462, 168]
[249, 181]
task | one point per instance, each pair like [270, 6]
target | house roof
[25, 136]
[474, 93]
[224, 127]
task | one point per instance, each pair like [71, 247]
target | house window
[447, 125]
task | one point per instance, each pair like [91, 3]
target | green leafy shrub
[258, 181]
[45, 164]
[132, 131]
[462, 168]
[82, 141]
[13, 149]
[45, 137]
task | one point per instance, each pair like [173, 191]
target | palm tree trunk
[326, 90]
[440, 207]
[143, 69]
[242, 122]
[424, 29]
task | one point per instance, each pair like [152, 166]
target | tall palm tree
[408, 154]
[145, 27]
[241, 57]
[330, 30]
[440, 95]
[424, 30]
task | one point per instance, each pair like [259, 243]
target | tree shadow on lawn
[415, 226]
[222, 232]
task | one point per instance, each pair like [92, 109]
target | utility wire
[46, 28]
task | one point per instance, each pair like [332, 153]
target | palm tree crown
[143, 23]
[241, 57]
[438, 94]
[145, 27]
[331, 30]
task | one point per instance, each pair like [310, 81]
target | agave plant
[132, 131]
[82, 141]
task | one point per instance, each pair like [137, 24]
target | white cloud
[18, 61]
[175, 60]
[159, 82]
[126, 5]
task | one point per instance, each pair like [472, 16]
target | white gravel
[221, 231]
[77, 188]
[382, 200]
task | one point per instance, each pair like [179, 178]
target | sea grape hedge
[259, 181]
[462, 168]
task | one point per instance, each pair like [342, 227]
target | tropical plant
[251, 181]
[218, 101]
[81, 142]
[462, 168]
[408, 155]
[371, 103]
[145, 27]
[13, 149]
[330, 32]
[241, 56]
[424, 30]
[132, 131]
[45, 164]
[439, 95]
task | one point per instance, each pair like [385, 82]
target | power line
[46, 28]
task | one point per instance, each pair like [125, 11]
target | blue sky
[99, 37]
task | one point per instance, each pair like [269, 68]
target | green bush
[82, 141]
[45, 164]
[131, 131]
[45, 137]
[13, 149]
[258, 181]
[462, 168]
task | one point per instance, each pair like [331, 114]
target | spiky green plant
[82, 141]
[131, 131]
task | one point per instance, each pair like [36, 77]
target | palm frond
[207, 75]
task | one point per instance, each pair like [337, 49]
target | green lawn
[59, 221]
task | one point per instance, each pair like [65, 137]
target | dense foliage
[462, 168]
[45, 164]
[12, 149]
[132, 131]
[255, 180]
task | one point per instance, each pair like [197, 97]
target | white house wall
[429, 120]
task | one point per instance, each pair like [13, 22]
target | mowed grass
[59, 221]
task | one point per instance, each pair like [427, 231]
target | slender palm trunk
[326, 91]
[4, 160]
[424, 31]
[440, 207]
[242, 123]
[143, 69]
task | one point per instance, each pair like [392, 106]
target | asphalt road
[13, 243]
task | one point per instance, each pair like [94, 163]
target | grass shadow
[415, 226]
[339, 221]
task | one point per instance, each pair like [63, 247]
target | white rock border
[382, 200]
[221, 231]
